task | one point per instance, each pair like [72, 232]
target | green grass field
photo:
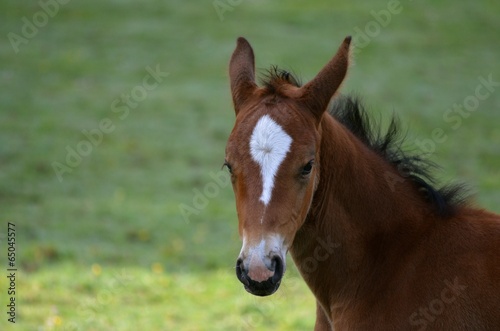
[98, 156]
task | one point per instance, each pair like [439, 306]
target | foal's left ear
[242, 73]
[317, 93]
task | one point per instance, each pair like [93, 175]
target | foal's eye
[306, 170]
[228, 166]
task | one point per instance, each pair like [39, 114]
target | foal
[377, 244]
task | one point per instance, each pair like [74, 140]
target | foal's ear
[242, 73]
[318, 92]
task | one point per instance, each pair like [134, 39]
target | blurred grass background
[107, 248]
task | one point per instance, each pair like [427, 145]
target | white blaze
[269, 145]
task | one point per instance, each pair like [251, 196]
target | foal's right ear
[242, 73]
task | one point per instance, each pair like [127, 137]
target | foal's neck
[360, 187]
[363, 212]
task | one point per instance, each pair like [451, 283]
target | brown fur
[395, 263]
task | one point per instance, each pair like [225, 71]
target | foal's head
[273, 157]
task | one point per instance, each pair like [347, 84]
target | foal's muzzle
[265, 287]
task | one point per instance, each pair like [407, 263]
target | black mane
[276, 77]
[415, 167]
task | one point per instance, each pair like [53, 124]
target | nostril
[240, 272]
[277, 265]
[274, 262]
